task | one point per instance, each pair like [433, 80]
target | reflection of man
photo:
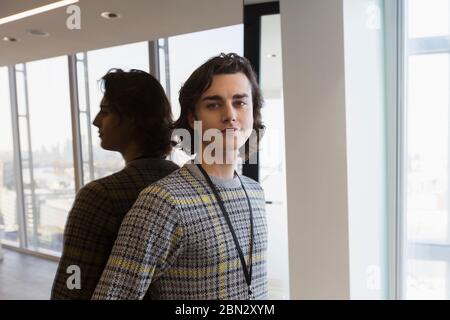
[199, 233]
[134, 119]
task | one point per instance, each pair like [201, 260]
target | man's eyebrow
[240, 96]
[216, 98]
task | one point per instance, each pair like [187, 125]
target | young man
[199, 233]
[135, 119]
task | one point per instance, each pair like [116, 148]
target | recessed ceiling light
[110, 15]
[38, 33]
[38, 10]
[10, 39]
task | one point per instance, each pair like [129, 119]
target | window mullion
[395, 95]
[429, 45]
[88, 117]
[76, 137]
[20, 197]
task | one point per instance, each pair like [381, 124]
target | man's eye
[240, 103]
[212, 105]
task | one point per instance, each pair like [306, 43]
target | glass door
[262, 45]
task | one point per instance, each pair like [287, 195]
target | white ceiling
[258, 1]
[141, 20]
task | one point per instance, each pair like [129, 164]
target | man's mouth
[230, 130]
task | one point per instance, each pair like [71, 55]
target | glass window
[427, 220]
[126, 57]
[428, 18]
[9, 223]
[46, 146]
[272, 155]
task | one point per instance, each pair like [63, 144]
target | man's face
[115, 133]
[227, 106]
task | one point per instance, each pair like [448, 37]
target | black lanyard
[247, 272]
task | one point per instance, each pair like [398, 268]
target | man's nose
[229, 113]
[96, 121]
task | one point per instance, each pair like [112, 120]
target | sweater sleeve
[88, 238]
[149, 240]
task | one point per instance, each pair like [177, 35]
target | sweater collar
[219, 182]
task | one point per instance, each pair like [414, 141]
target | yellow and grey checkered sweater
[175, 243]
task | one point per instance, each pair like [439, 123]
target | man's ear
[191, 119]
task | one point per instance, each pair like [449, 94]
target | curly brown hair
[138, 95]
[200, 81]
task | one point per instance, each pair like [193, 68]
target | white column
[366, 147]
[316, 163]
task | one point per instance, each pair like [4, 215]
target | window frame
[398, 50]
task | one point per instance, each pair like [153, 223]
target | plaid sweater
[175, 243]
[94, 221]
